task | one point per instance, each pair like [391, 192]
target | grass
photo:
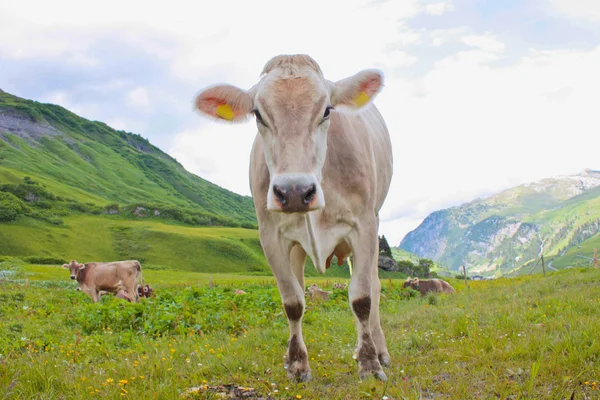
[99, 238]
[522, 338]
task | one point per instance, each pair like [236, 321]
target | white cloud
[438, 8]
[138, 97]
[442, 36]
[485, 42]
[578, 9]
[217, 152]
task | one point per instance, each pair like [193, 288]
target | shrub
[44, 260]
[10, 207]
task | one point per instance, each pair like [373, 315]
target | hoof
[300, 376]
[377, 374]
[385, 360]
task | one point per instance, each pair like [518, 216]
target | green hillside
[580, 255]
[76, 189]
[506, 232]
[81, 161]
[99, 238]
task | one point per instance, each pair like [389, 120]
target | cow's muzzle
[295, 193]
[72, 276]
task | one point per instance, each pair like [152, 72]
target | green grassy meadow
[521, 338]
[99, 238]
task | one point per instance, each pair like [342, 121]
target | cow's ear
[81, 266]
[408, 279]
[65, 266]
[416, 281]
[358, 90]
[225, 102]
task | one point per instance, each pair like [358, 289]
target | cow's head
[74, 267]
[145, 291]
[292, 104]
[411, 283]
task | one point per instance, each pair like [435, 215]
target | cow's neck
[81, 274]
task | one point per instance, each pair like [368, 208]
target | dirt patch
[224, 392]
[25, 128]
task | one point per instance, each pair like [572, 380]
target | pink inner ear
[371, 85]
[209, 104]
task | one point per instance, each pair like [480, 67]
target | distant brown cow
[317, 293]
[429, 286]
[145, 291]
[110, 277]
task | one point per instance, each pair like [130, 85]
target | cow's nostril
[309, 195]
[281, 194]
[72, 277]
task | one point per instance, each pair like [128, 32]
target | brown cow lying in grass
[143, 291]
[428, 286]
[317, 293]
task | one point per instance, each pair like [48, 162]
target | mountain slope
[93, 163]
[503, 232]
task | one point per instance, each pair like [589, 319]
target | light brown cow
[320, 169]
[316, 293]
[145, 291]
[110, 277]
[428, 286]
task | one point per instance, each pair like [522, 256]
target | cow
[145, 291]
[316, 293]
[320, 170]
[428, 286]
[112, 277]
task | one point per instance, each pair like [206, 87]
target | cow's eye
[259, 118]
[326, 114]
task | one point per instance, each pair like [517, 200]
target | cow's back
[446, 287]
[107, 275]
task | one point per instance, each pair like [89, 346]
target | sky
[479, 96]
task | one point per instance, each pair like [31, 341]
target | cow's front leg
[365, 249]
[95, 294]
[284, 262]
[376, 331]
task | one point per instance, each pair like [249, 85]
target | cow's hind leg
[365, 247]
[132, 288]
[285, 264]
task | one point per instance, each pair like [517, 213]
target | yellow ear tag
[361, 99]
[224, 111]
